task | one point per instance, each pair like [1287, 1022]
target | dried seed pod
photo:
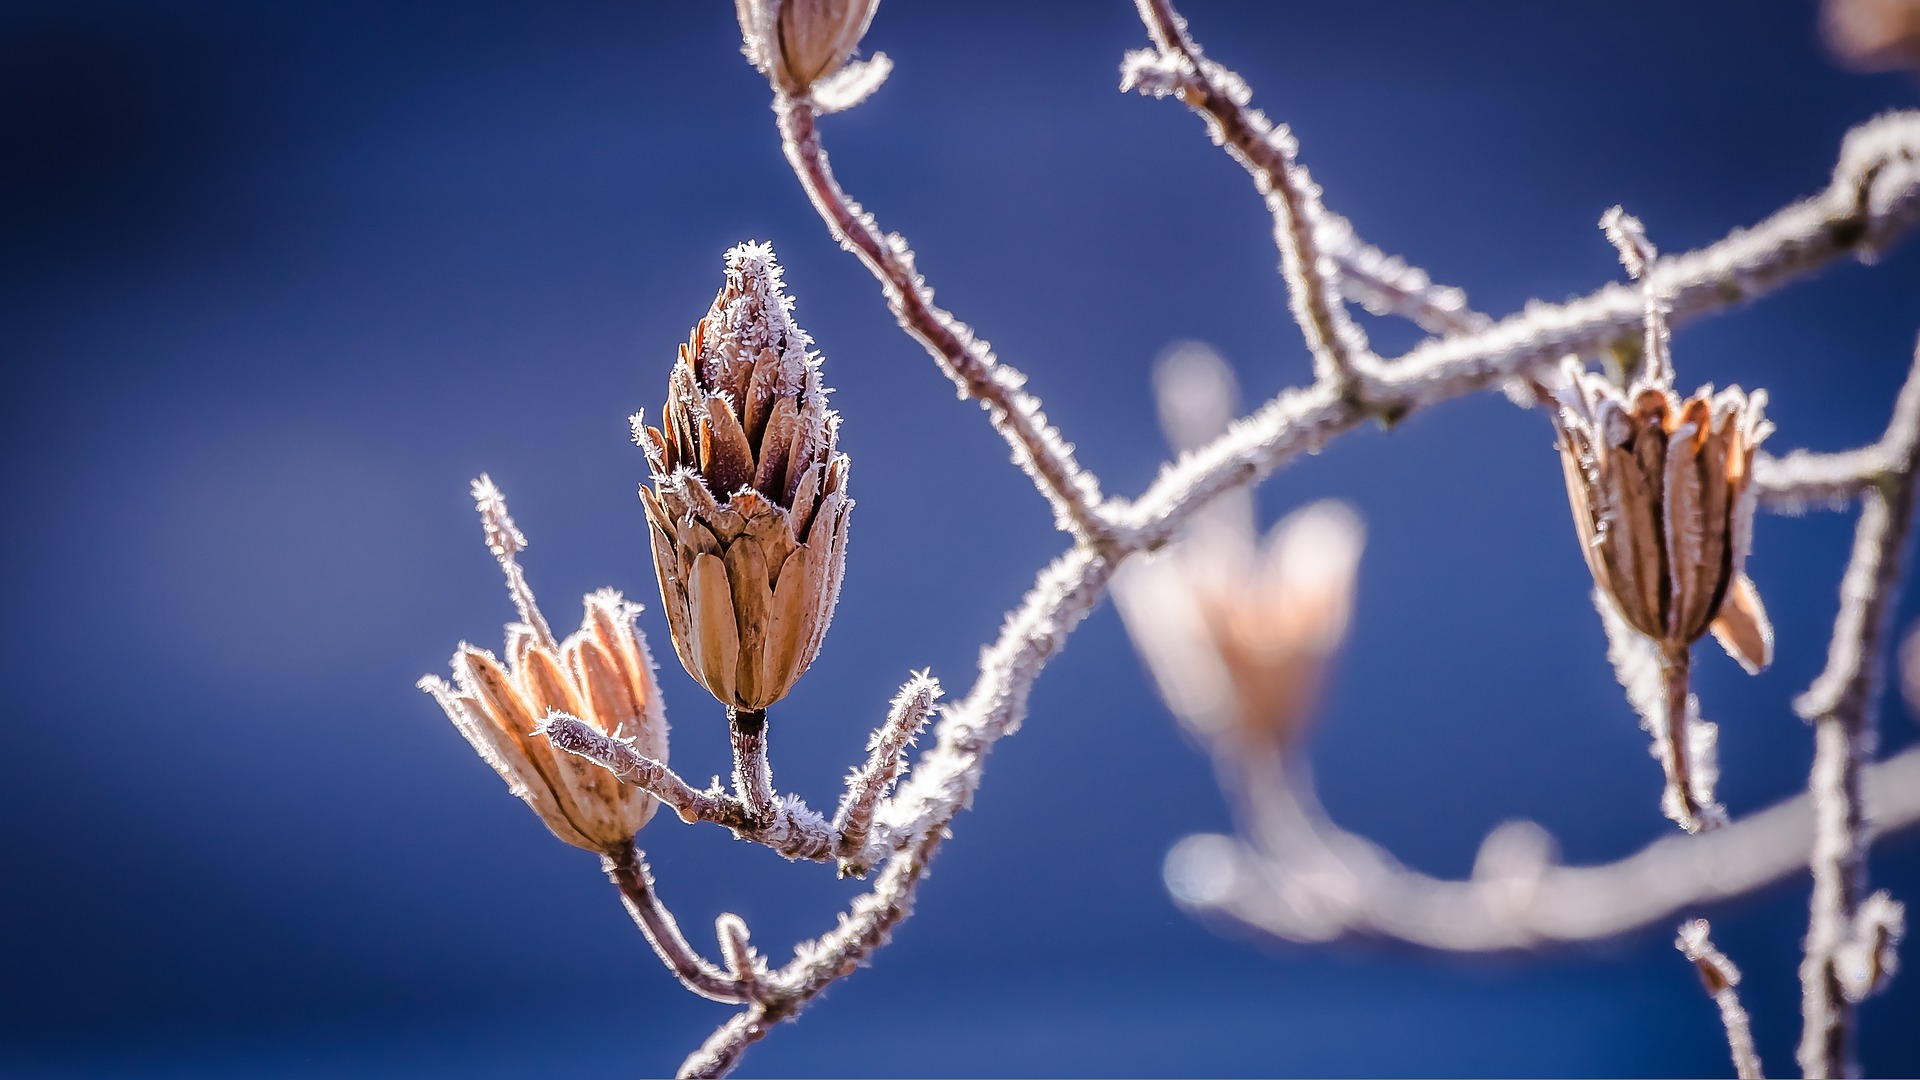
[601, 674]
[748, 509]
[1238, 641]
[799, 42]
[1660, 491]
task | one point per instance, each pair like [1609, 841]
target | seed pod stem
[752, 772]
[627, 867]
[1676, 665]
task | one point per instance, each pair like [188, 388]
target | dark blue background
[277, 280]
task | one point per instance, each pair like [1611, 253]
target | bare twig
[911, 708]
[628, 869]
[1268, 152]
[786, 828]
[817, 964]
[1721, 977]
[1519, 897]
[967, 360]
[1805, 480]
[1842, 704]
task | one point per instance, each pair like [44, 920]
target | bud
[602, 674]
[1238, 641]
[1660, 491]
[748, 509]
[796, 43]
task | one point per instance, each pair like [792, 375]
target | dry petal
[1742, 627]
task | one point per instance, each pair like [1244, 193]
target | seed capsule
[799, 42]
[748, 508]
[601, 674]
[1660, 491]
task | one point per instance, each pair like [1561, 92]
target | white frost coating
[852, 84]
[1636, 664]
[758, 316]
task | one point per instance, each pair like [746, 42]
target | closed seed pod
[748, 508]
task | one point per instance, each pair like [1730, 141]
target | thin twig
[1842, 704]
[1037, 448]
[628, 869]
[818, 964]
[1721, 978]
[1805, 480]
[794, 834]
[911, 708]
[1268, 152]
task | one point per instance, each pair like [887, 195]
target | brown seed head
[748, 509]
[1660, 491]
[601, 674]
[799, 42]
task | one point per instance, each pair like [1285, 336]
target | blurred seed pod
[797, 43]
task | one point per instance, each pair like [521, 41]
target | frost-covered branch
[911, 708]
[628, 869]
[819, 963]
[1270, 154]
[1874, 198]
[1519, 897]
[1721, 979]
[1842, 705]
[966, 359]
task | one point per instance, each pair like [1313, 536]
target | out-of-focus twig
[1842, 705]
[1721, 978]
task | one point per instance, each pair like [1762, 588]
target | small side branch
[787, 828]
[1721, 977]
[820, 963]
[1038, 449]
[1842, 704]
[1269, 153]
[868, 784]
[628, 869]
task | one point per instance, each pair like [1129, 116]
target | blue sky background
[277, 280]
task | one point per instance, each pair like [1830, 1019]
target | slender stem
[1037, 447]
[752, 772]
[1676, 663]
[571, 735]
[627, 866]
[1842, 705]
[1721, 978]
[722, 1051]
[1268, 153]
[853, 825]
